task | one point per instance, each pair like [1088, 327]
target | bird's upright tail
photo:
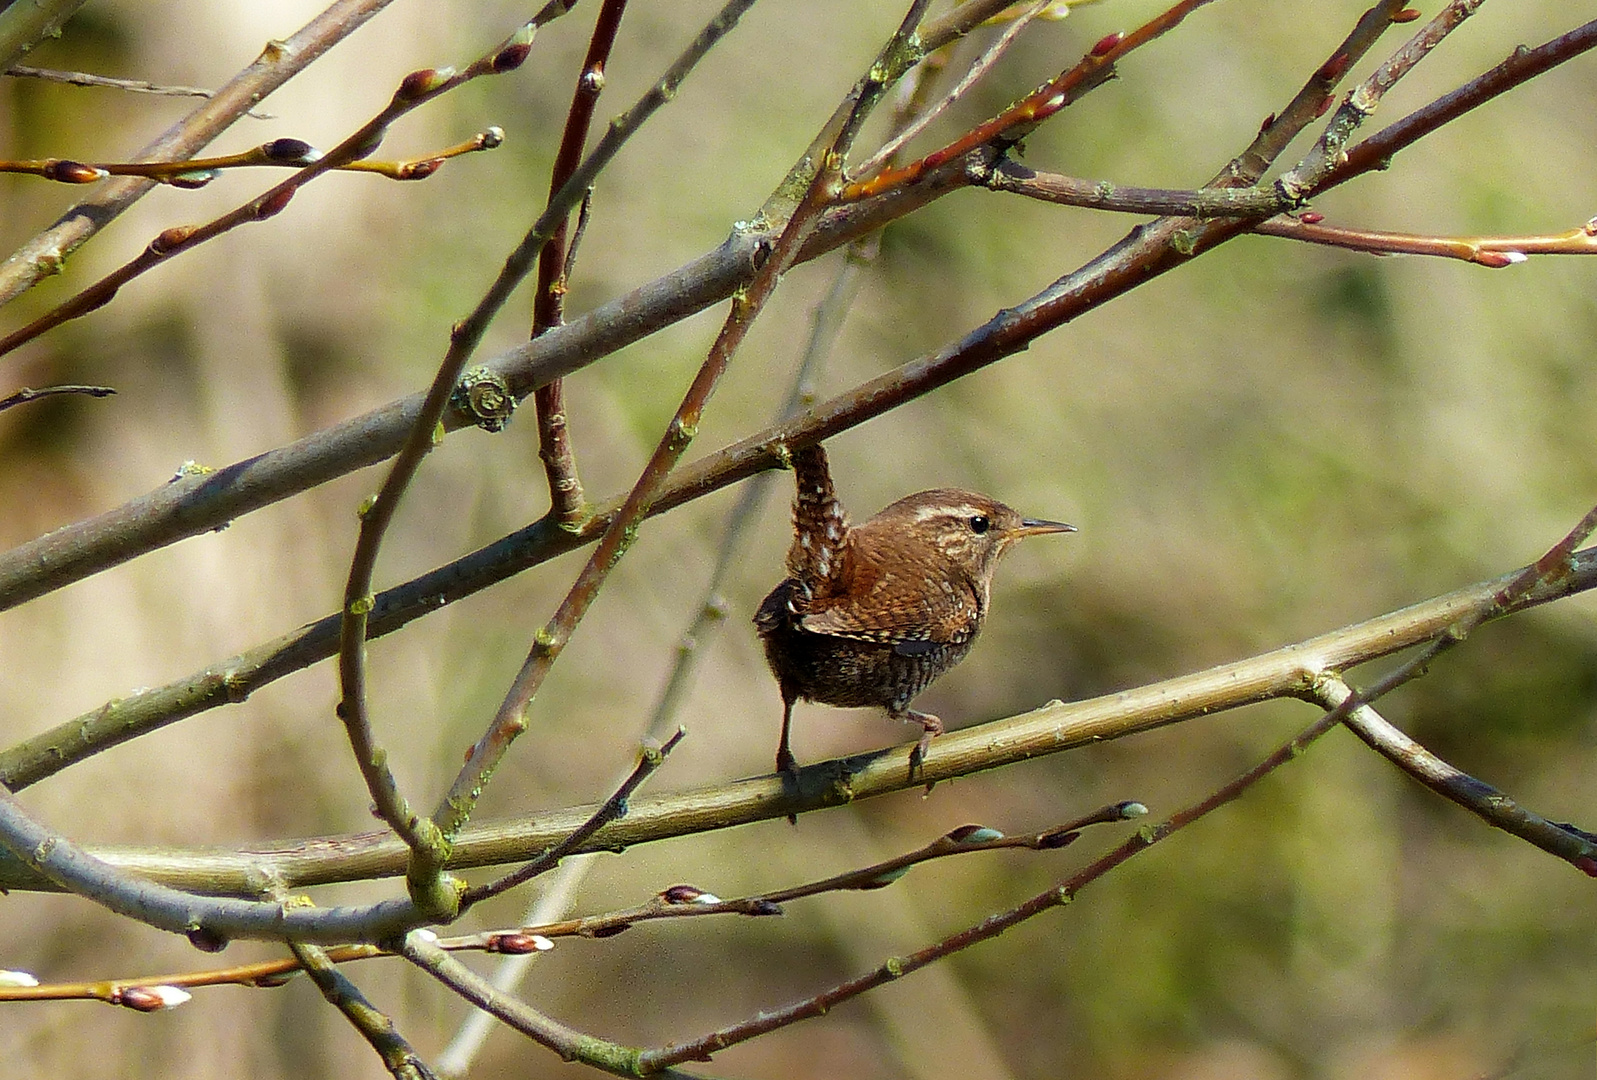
[820, 524]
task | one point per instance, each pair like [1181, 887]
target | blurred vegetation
[1272, 442]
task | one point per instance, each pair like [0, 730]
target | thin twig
[1311, 173]
[137, 86]
[554, 272]
[27, 394]
[612, 809]
[974, 74]
[1020, 119]
[279, 153]
[402, 1062]
[571, 1044]
[686, 901]
[1491, 251]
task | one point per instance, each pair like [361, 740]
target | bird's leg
[785, 761]
[930, 726]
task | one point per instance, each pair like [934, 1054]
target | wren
[871, 614]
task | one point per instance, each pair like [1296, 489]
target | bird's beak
[1038, 527]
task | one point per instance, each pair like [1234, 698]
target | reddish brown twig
[281, 153]
[554, 272]
[1014, 123]
[1490, 251]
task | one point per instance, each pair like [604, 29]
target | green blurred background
[1272, 442]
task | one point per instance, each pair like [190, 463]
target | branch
[209, 922]
[373, 1025]
[612, 809]
[1291, 671]
[688, 901]
[137, 86]
[1573, 845]
[1491, 251]
[27, 394]
[554, 272]
[279, 153]
[422, 949]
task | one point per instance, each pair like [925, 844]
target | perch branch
[1287, 672]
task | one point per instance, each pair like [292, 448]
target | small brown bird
[871, 614]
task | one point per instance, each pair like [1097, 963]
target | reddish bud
[272, 203]
[510, 57]
[73, 172]
[1586, 865]
[1323, 108]
[518, 944]
[974, 834]
[1057, 838]
[688, 894]
[1107, 44]
[420, 170]
[1310, 217]
[171, 239]
[418, 84]
[1334, 68]
[609, 931]
[206, 940]
[150, 998]
[1268, 122]
[1406, 15]
[290, 150]
[1499, 259]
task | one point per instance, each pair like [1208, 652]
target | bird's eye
[980, 524]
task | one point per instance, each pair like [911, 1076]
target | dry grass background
[1274, 441]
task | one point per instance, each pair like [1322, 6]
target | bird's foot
[931, 726]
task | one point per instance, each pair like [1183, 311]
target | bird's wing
[877, 607]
